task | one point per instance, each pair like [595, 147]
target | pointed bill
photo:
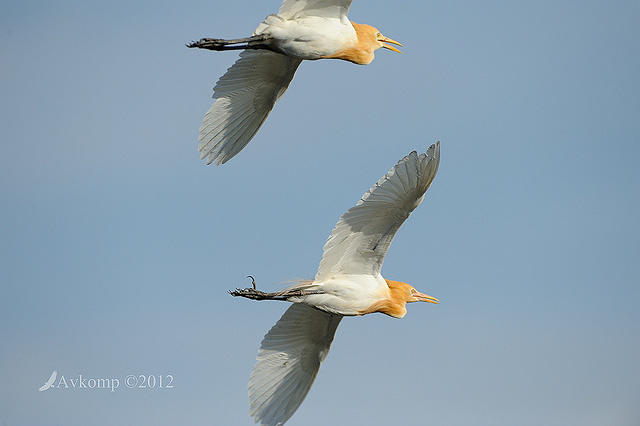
[386, 40]
[426, 298]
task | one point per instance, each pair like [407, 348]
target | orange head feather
[400, 294]
[369, 40]
[403, 292]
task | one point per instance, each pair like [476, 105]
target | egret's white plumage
[361, 238]
[336, 9]
[245, 95]
[288, 361]
[348, 282]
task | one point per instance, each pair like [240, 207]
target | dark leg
[253, 42]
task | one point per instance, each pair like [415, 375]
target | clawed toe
[206, 43]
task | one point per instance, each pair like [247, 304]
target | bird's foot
[208, 43]
[254, 294]
[251, 293]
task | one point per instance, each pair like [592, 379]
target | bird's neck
[361, 52]
[394, 304]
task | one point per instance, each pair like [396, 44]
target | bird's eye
[378, 35]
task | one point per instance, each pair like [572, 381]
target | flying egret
[244, 96]
[348, 282]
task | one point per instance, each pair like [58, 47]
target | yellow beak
[388, 40]
[426, 298]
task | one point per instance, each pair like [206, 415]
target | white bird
[348, 282]
[49, 382]
[244, 96]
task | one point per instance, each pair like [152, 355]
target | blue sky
[118, 244]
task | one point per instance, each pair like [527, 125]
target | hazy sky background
[118, 244]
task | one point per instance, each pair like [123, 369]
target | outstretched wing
[244, 97]
[362, 236]
[288, 361]
[292, 9]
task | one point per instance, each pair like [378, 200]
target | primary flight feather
[245, 95]
[348, 283]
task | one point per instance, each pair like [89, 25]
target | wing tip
[433, 151]
[435, 148]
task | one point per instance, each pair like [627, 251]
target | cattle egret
[348, 282]
[244, 96]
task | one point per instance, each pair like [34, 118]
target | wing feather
[293, 9]
[361, 238]
[244, 97]
[288, 362]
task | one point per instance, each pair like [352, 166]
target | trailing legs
[252, 293]
[253, 42]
